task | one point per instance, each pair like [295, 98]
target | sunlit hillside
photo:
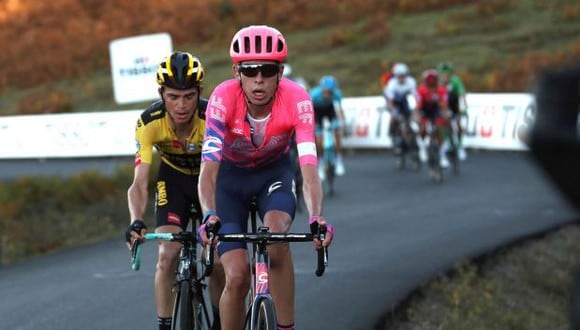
[55, 55]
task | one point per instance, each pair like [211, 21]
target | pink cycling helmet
[258, 42]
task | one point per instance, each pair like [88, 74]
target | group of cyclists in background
[437, 104]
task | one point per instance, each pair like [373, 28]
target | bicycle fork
[261, 283]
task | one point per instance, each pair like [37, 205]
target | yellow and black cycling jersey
[154, 129]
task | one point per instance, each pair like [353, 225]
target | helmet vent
[269, 44]
[258, 44]
[247, 46]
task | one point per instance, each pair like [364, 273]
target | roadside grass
[43, 214]
[524, 286]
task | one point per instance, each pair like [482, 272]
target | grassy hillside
[496, 45]
[524, 286]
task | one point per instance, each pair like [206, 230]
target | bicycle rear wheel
[183, 308]
[266, 316]
[434, 166]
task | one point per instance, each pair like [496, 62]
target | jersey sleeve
[304, 129]
[144, 142]
[389, 90]
[215, 124]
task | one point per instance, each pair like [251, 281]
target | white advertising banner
[495, 121]
[110, 133]
[366, 122]
[498, 121]
[134, 62]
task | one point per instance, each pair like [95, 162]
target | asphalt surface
[395, 231]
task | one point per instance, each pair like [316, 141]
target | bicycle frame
[408, 142]
[187, 271]
[260, 281]
[260, 238]
[433, 151]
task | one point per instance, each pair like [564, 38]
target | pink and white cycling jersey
[228, 134]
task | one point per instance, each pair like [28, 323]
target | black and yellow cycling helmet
[180, 70]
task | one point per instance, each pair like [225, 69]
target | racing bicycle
[433, 147]
[261, 313]
[192, 309]
[405, 143]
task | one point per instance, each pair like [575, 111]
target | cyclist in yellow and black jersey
[175, 126]
[155, 129]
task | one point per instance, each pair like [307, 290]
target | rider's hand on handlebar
[315, 223]
[135, 231]
[211, 224]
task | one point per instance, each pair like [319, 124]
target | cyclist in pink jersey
[250, 122]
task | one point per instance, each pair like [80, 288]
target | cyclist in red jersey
[249, 125]
[432, 106]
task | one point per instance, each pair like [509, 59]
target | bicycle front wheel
[266, 316]
[183, 308]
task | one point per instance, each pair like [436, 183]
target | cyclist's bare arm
[312, 190]
[137, 194]
[207, 185]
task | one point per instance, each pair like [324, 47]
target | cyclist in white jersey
[401, 98]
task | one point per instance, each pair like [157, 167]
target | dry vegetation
[527, 286]
[56, 56]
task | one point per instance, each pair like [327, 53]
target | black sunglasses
[251, 70]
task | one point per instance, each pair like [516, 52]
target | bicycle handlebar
[268, 237]
[174, 237]
[261, 237]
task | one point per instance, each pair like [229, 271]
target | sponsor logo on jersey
[211, 144]
[305, 112]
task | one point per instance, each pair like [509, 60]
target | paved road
[396, 230]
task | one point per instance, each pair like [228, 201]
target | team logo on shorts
[274, 186]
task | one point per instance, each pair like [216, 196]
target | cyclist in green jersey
[456, 100]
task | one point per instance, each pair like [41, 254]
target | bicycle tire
[265, 316]
[435, 167]
[183, 308]
[202, 313]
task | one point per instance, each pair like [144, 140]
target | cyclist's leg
[232, 303]
[421, 143]
[454, 106]
[395, 130]
[233, 193]
[462, 155]
[337, 150]
[442, 126]
[171, 212]
[277, 208]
